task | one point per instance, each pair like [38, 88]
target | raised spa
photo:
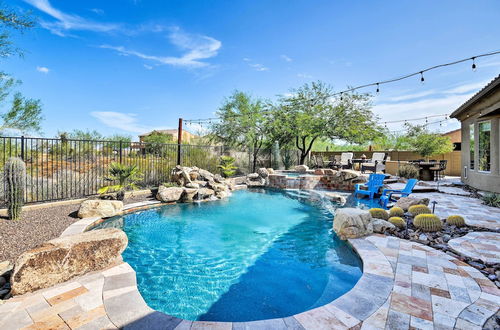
[253, 256]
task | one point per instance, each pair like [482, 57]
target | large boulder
[301, 168]
[335, 197]
[352, 223]
[406, 202]
[217, 186]
[63, 258]
[381, 226]
[99, 208]
[188, 194]
[181, 175]
[169, 194]
[205, 193]
[205, 175]
[263, 172]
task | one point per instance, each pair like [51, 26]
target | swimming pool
[253, 256]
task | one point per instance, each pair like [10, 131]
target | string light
[474, 67]
[378, 89]
[422, 80]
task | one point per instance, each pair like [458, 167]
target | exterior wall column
[495, 146]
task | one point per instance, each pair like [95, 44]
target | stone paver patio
[478, 245]
[405, 285]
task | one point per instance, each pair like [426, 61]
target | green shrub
[427, 222]
[227, 166]
[122, 177]
[419, 209]
[455, 220]
[379, 213]
[408, 171]
[396, 211]
[491, 199]
[398, 222]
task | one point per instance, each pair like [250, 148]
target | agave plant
[123, 177]
[227, 166]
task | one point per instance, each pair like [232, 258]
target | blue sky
[132, 66]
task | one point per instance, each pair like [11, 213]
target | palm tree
[125, 178]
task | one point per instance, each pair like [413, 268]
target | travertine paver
[405, 285]
[478, 245]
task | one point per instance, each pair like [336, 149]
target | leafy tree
[11, 21]
[79, 134]
[117, 138]
[155, 142]
[310, 113]
[242, 124]
[22, 113]
[122, 177]
[427, 144]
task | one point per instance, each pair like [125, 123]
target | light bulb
[474, 67]
[378, 89]
[422, 80]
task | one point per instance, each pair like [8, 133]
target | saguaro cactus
[15, 176]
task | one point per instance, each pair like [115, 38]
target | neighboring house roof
[451, 132]
[483, 92]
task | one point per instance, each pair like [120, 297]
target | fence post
[179, 141]
[120, 152]
[22, 147]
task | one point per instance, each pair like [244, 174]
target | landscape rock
[188, 194]
[169, 194]
[5, 266]
[181, 175]
[256, 183]
[222, 194]
[99, 208]
[253, 176]
[301, 168]
[63, 258]
[335, 197]
[193, 175]
[205, 193]
[192, 185]
[263, 172]
[218, 178]
[352, 223]
[319, 171]
[381, 225]
[205, 175]
[270, 170]
[406, 202]
[329, 172]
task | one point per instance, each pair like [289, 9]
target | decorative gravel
[38, 226]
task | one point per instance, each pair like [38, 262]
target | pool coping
[125, 305]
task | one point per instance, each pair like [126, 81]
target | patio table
[359, 161]
[425, 170]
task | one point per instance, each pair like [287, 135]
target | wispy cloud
[255, 66]
[196, 47]
[304, 75]
[42, 69]
[148, 67]
[64, 22]
[97, 11]
[286, 58]
[127, 122]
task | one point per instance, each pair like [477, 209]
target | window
[484, 145]
[471, 145]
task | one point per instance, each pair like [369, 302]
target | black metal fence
[58, 169]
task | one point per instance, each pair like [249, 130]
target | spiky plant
[398, 222]
[379, 213]
[123, 178]
[455, 220]
[396, 211]
[15, 181]
[427, 222]
[227, 166]
[419, 209]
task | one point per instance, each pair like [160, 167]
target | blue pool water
[252, 256]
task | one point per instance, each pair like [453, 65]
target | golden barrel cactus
[419, 209]
[379, 213]
[398, 222]
[455, 220]
[396, 211]
[427, 222]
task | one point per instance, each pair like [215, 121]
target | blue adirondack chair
[375, 181]
[388, 193]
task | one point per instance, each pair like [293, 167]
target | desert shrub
[227, 167]
[408, 171]
[121, 178]
[491, 199]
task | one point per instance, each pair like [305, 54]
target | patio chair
[387, 194]
[345, 160]
[375, 181]
[439, 170]
[377, 163]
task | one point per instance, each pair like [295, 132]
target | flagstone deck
[405, 285]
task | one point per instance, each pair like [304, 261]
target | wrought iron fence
[58, 169]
